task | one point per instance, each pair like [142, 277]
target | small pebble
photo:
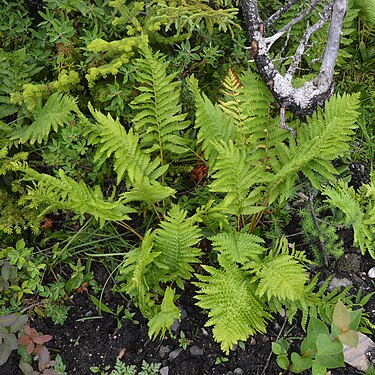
[238, 371]
[174, 354]
[371, 273]
[196, 351]
[164, 350]
[164, 370]
[337, 283]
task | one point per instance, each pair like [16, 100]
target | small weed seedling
[321, 349]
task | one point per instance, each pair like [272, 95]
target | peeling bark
[304, 100]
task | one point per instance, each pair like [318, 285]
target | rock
[177, 322]
[358, 357]
[238, 371]
[371, 273]
[337, 283]
[174, 354]
[196, 351]
[164, 370]
[164, 350]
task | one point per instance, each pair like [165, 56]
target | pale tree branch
[270, 20]
[301, 101]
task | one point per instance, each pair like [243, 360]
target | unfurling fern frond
[212, 122]
[159, 120]
[112, 139]
[55, 113]
[235, 177]
[64, 193]
[358, 213]
[175, 240]
[238, 247]
[165, 317]
[235, 310]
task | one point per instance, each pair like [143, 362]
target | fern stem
[130, 229]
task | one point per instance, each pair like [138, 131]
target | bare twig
[270, 20]
[305, 39]
[293, 22]
[302, 101]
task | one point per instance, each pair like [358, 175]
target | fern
[175, 240]
[324, 138]
[164, 319]
[212, 122]
[64, 193]
[56, 112]
[358, 213]
[238, 247]
[235, 310]
[159, 120]
[234, 176]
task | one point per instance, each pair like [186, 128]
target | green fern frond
[113, 140]
[235, 177]
[55, 113]
[175, 240]
[212, 122]
[359, 215]
[324, 138]
[159, 120]
[235, 310]
[149, 192]
[139, 272]
[64, 193]
[163, 319]
[238, 247]
[282, 277]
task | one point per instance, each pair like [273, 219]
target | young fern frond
[64, 193]
[56, 112]
[358, 214]
[235, 177]
[112, 139]
[158, 119]
[238, 247]
[164, 318]
[322, 139]
[213, 124]
[235, 310]
[175, 240]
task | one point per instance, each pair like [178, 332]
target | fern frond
[113, 140]
[140, 274]
[238, 247]
[64, 193]
[235, 177]
[324, 138]
[212, 122]
[163, 319]
[55, 113]
[357, 214]
[149, 192]
[159, 120]
[235, 311]
[175, 240]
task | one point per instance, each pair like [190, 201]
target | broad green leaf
[318, 369]
[329, 352]
[341, 317]
[355, 319]
[283, 361]
[4, 353]
[300, 364]
[276, 348]
[349, 337]
[315, 328]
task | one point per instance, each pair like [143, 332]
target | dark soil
[98, 342]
